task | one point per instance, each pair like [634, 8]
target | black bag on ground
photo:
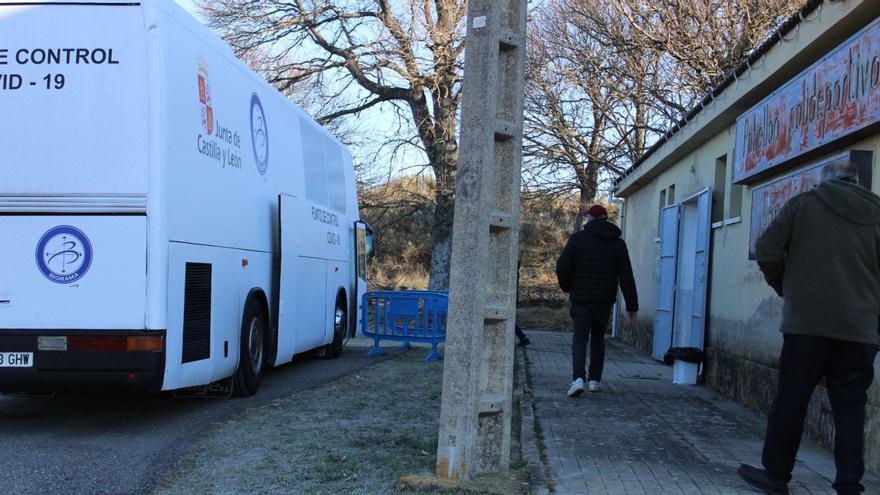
[686, 354]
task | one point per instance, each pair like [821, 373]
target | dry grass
[357, 435]
[392, 274]
[544, 317]
[401, 210]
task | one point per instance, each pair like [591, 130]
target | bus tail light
[81, 344]
[145, 344]
[110, 344]
[96, 344]
[103, 344]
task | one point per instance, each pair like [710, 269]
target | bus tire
[340, 328]
[252, 351]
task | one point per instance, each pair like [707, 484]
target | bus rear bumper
[42, 361]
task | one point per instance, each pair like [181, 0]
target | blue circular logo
[259, 134]
[64, 254]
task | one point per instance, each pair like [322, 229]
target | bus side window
[370, 242]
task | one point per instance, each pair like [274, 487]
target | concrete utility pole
[478, 372]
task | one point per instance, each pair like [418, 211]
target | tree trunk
[441, 253]
[438, 137]
[588, 183]
[585, 198]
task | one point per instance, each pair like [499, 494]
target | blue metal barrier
[406, 316]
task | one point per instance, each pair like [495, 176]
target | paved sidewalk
[644, 435]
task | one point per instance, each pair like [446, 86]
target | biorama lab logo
[259, 134]
[64, 254]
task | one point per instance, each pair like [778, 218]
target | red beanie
[597, 211]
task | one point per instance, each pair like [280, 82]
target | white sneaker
[576, 388]
[595, 386]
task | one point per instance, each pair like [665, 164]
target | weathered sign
[768, 199]
[835, 98]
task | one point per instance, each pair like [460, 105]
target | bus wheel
[252, 351]
[340, 327]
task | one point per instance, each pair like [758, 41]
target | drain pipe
[621, 203]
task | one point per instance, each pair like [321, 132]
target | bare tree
[567, 114]
[403, 56]
[589, 108]
[608, 77]
[705, 38]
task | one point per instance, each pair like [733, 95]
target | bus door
[302, 289]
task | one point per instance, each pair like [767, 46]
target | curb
[539, 480]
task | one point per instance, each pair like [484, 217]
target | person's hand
[632, 317]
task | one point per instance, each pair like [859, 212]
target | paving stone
[644, 435]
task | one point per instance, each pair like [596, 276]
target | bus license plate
[16, 359]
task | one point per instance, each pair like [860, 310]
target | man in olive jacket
[589, 268]
[822, 255]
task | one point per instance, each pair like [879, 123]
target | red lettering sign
[837, 96]
[768, 199]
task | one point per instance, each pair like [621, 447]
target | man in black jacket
[589, 268]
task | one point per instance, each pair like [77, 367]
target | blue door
[697, 330]
[663, 322]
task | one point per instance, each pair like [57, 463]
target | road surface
[124, 444]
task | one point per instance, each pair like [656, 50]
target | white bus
[168, 220]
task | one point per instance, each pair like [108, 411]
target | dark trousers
[519, 333]
[590, 320]
[848, 369]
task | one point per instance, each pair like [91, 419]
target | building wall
[742, 338]
[743, 315]
[744, 341]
